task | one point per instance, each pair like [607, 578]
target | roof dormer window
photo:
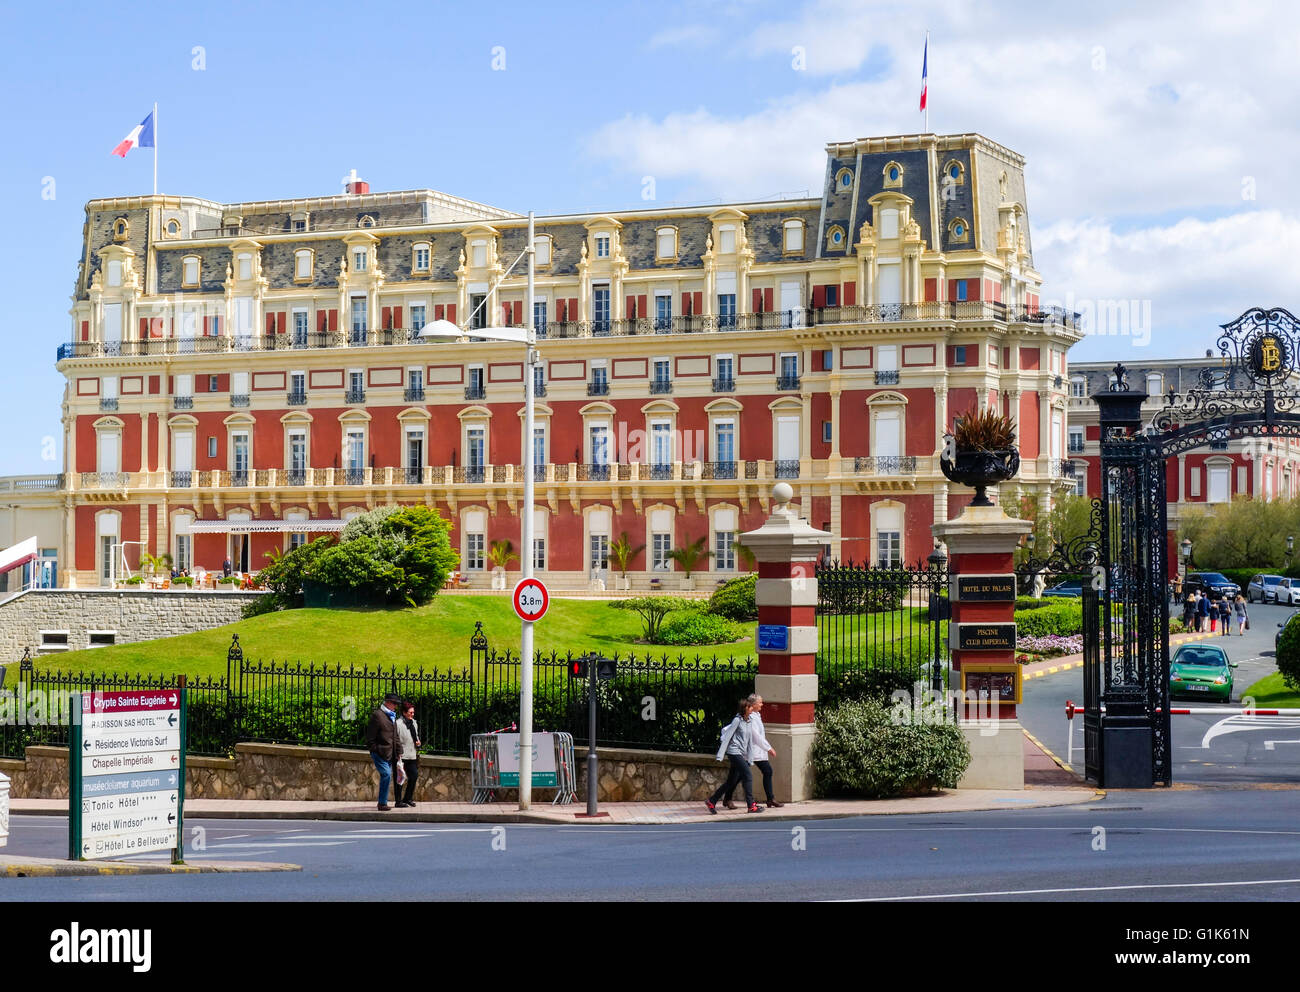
[602, 245]
[893, 173]
[121, 229]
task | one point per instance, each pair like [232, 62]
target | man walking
[759, 751]
[381, 739]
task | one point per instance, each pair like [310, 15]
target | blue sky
[1159, 142]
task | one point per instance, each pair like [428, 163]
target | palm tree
[746, 556]
[622, 553]
[502, 553]
[155, 564]
[689, 557]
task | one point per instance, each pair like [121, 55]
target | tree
[622, 553]
[1246, 533]
[690, 556]
[652, 610]
[745, 556]
[502, 553]
[155, 564]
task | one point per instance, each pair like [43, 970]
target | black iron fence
[654, 702]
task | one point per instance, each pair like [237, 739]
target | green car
[1203, 671]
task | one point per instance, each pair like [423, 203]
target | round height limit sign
[531, 599]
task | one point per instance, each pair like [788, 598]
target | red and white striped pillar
[786, 549]
[981, 546]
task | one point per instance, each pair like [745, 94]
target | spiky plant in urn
[980, 452]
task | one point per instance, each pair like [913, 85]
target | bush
[1061, 619]
[695, 626]
[860, 752]
[863, 591]
[652, 610]
[1029, 603]
[1288, 655]
[878, 684]
[736, 600]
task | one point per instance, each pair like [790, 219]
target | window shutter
[270, 323]
[397, 317]
[386, 318]
[334, 320]
[972, 289]
[216, 325]
[207, 326]
[451, 312]
[519, 313]
[819, 297]
[200, 383]
[320, 321]
[223, 383]
[1031, 301]
[85, 330]
[631, 310]
[849, 294]
[699, 303]
[280, 321]
[952, 289]
[758, 301]
[641, 310]
[931, 290]
[144, 327]
[171, 385]
[767, 300]
[573, 308]
[686, 304]
[438, 311]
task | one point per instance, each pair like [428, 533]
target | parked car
[1211, 584]
[1070, 587]
[1272, 589]
[1201, 670]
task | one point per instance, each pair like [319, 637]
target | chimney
[354, 185]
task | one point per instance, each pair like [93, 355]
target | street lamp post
[528, 337]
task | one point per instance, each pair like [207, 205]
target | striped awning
[266, 526]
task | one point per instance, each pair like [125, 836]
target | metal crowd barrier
[566, 771]
[485, 768]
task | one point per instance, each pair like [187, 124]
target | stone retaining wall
[134, 615]
[284, 771]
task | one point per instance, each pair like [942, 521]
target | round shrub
[698, 627]
[859, 751]
[1288, 654]
[1060, 619]
[735, 600]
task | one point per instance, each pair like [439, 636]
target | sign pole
[74, 780]
[526, 553]
[592, 777]
[178, 853]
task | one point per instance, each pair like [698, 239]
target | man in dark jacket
[381, 739]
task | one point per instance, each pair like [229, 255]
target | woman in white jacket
[759, 751]
[735, 747]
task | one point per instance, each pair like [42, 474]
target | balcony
[469, 473]
[239, 477]
[661, 386]
[108, 403]
[593, 472]
[240, 399]
[719, 470]
[598, 388]
[182, 402]
[886, 464]
[414, 475]
[786, 468]
[295, 477]
[105, 480]
[539, 389]
[355, 396]
[413, 394]
[659, 472]
[358, 337]
[354, 477]
[787, 382]
[475, 392]
[1067, 469]
[1075, 447]
[182, 480]
[295, 399]
[887, 377]
[727, 385]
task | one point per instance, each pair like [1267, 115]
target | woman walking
[1243, 618]
[1225, 614]
[1202, 612]
[736, 738]
[1189, 612]
[408, 739]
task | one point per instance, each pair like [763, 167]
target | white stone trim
[786, 592]
[786, 688]
[802, 640]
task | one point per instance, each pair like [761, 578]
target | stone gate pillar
[982, 638]
[786, 549]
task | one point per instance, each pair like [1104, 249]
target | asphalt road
[1224, 845]
[1210, 749]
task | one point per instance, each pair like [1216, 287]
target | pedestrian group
[393, 737]
[1206, 616]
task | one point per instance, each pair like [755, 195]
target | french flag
[925, 62]
[141, 136]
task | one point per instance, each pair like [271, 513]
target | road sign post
[126, 773]
[594, 669]
[530, 600]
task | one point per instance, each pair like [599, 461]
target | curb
[1048, 751]
[50, 868]
[1064, 665]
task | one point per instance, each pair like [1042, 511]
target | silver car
[1273, 589]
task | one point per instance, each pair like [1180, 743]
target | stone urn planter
[498, 578]
[622, 584]
[687, 583]
[980, 469]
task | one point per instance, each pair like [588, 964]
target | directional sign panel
[128, 788]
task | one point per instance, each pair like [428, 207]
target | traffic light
[578, 668]
[605, 669]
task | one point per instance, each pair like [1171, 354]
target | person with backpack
[736, 737]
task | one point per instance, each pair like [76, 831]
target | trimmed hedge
[691, 626]
[736, 600]
[1288, 655]
[1242, 576]
[860, 751]
[1062, 619]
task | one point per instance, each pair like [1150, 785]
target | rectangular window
[476, 381]
[828, 360]
[297, 540]
[183, 385]
[414, 455]
[302, 265]
[239, 443]
[357, 383]
[1078, 387]
[542, 251]
[666, 243]
[726, 369]
[300, 328]
[602, 246]
[478, 310]
[539, 452]
[889, 545]
[191, 272]
[359, 260]
[961, 289]
[184, 453]
[662, 376]
[478, 254]
[539, 380]
[726, 310]
[539, 549]
[474, 552]
[417, 317]
[356, 451]
[599, 380]
[184, 557]
[599, 552]
[959, 354]
[724, 555]
[663, 312]
[422, 258]
[600, 310]
[793, 236]
[539, 317]
[826, 432]
[239, 383]
[298, 383]
[660, 545]
[359, 325]
[724, 442]
[661, 443]
[415, 381]
[599, 435]
[1218, 485]
[298, 452]
[726, 241]
[212, 447]
[1076, 439]
[245, 267]
[1194, 481]
[475, 448]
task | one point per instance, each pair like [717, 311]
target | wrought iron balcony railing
[727, 385]
[240, 399]
[296, 399]
[719, 470]
[787, 382]
[786, 468]
[414, 475]
[358, 337]
[539, 389]
[886, 464]
[1068, 470]
[661, 385]
[183, 402]
[475, 392]
[660, 471]
[295, 477]
[239, 477]
[354, 477]
[413, 394]
[887, 377]
[593, 472]
[1075, 446]
[108, 403]
[469, 473]
[598, 388]
[182, 480]
[355, 396]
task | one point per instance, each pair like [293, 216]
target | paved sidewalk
[16, 866]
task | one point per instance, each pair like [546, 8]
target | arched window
[954, 173]
[792, 231]
[121, 229]
[893, 175]
[190, 271]
[421, 256]
[844, 180]
[304, 260]
[959, 230]
[666, 244]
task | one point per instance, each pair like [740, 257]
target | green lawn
[434, 636]
[1271, 692]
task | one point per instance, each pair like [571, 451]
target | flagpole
[155, 149]
[927, 108]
